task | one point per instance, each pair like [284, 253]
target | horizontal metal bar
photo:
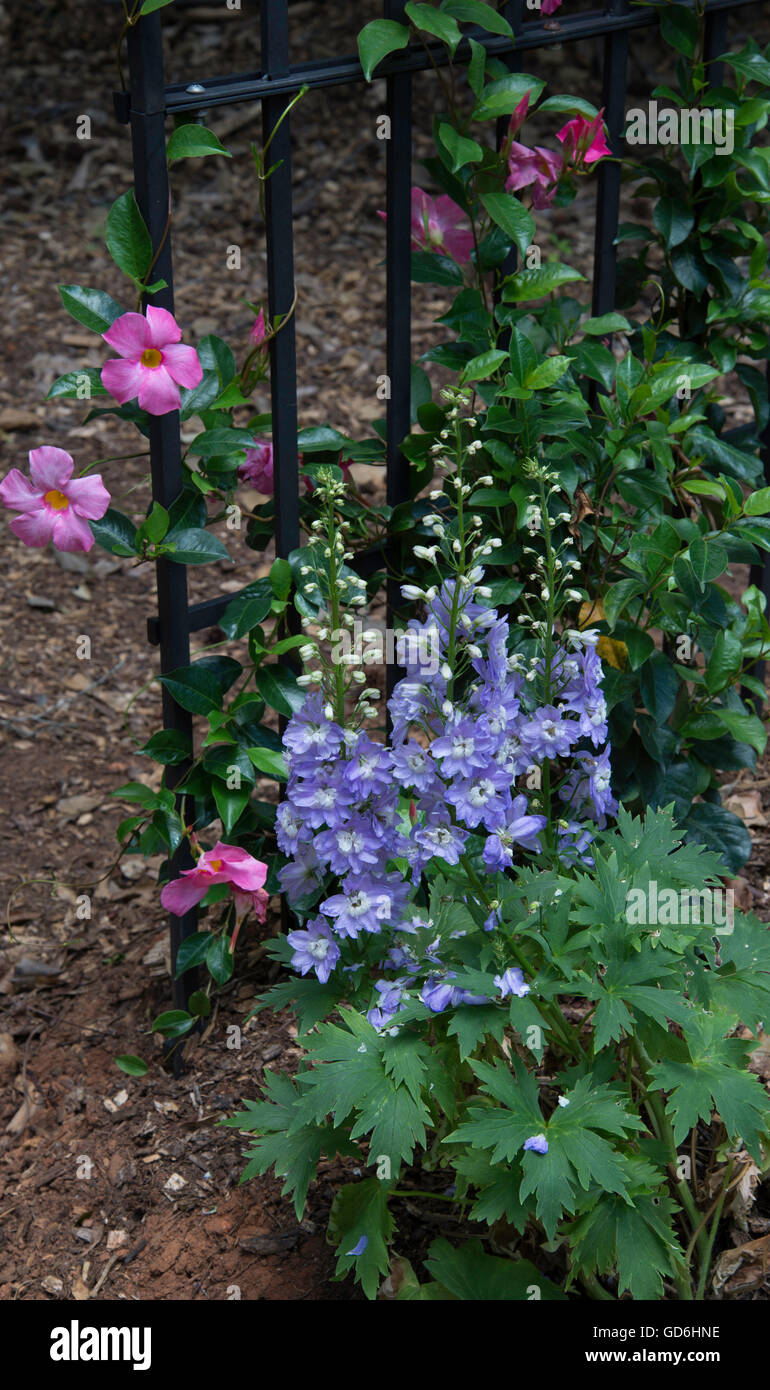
[199, 615]
[208, 613]
[333, 72]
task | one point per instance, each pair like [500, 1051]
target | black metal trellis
[146, 106]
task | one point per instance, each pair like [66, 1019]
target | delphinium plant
[492, 1009]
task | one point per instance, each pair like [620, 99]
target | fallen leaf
[731, 1261]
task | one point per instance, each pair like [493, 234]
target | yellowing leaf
[613, 652]
[590, 613]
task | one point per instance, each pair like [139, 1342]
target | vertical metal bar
[279, 231]
[715, 42]
[274, 19]
[513, 11]
[398, 301]
[145, 57]
[608, 186]
[759, 573]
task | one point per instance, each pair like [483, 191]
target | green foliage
[660, 992]
[378, 39]
[192, 141]
[128, 240]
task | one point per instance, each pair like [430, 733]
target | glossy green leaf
[93, 308]
[507, 212]
[115, 533]
[128, 240]
[192, 141]
[377, 39]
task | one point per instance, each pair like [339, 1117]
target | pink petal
[420, 202]
[240, 867]
[256, 902]
[183, 364]
[459, 244]
[542, 197]
[259, 331]
[70, 532]
[548, 166]
[520, 114]
[521, 167]
[34, 528]
[50, 467]
[158, 392]
[597, 149]
[569, 135]
[163, 327]
[257, 468]
[122, 379]
[421, 208]
[89, 496]
[221, 850]
[248, 877]
[178, 897]
[129, 335]
[448, 213]
[17, 492]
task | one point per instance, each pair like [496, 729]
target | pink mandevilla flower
[222, 864]
[257, 467]
[537, 166]
[258, 333]
[549, 6]
[518, 118]
[584, 141]
[53, 506]
[436, 226]
[153, 363]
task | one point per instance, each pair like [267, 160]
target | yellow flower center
[151, 357]
[57, 500]
[214, 865]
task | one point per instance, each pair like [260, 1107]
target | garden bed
[161, 1215]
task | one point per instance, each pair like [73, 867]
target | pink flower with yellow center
[153, 363]
[53, 505]
[222, 864]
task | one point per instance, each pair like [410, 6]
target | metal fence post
[608, 174]
[145, 56]
[398, 300]
[274, 19]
